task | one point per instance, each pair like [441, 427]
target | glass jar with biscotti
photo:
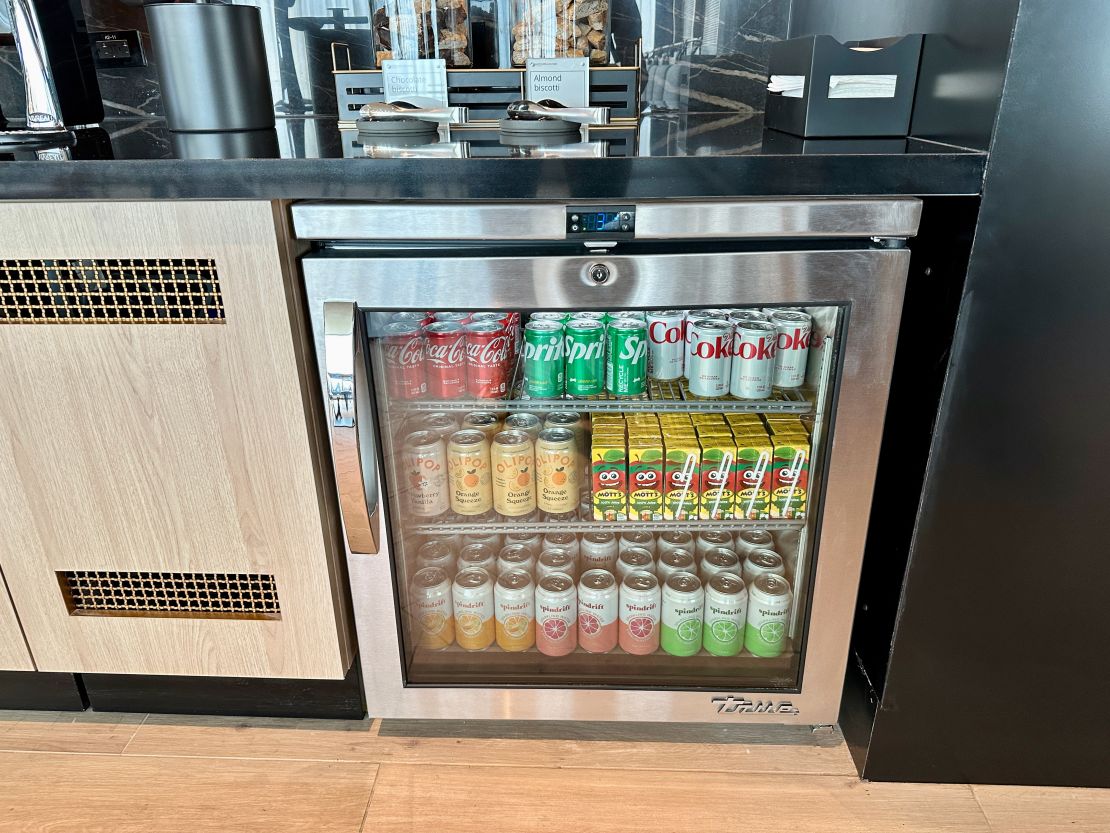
[410, 29]
[561, 29]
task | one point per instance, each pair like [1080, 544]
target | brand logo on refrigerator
[742, 705]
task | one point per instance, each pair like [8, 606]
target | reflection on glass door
[604, 498]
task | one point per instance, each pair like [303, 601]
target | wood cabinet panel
[13, 648]
[167, 447]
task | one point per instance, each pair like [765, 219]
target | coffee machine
[59, 76]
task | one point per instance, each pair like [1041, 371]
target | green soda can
[769, 600]
[548, 316]
[683, 608]
[726, 612]
[626, 357]
[544, 375]
[585, 352]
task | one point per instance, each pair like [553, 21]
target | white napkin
[840, 86]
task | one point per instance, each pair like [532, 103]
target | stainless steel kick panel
[674, 220]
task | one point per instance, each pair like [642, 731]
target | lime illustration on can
[626, 357]
[585, 357]
[543, 359]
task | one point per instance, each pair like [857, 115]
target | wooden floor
[128, 772]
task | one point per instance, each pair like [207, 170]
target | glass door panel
[604, 498]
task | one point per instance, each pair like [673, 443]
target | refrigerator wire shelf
[542, 527]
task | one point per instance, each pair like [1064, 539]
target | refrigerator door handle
[350, 416]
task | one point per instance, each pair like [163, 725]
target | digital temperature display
[617, 221]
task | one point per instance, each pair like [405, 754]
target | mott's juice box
[609, 474]
[718, 458]
[790, 475]
[681, 469]
[645, 477]
[754, 455]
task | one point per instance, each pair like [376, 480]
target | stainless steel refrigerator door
[867, 283]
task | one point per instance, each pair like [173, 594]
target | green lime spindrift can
[726, 612]
[543, 359]
[585, 352]
[683, 606]
[769, 600]
[626, 357]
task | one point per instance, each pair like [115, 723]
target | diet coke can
[794, 331]
[665, 343]
[487, 365]
[753, 360]
[709, 356]
[404, 360]
[446, 360]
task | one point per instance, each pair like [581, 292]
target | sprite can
[683, 606]
[726, 612]
[585, 353]
[626, 357]
[769, 601]
[543, 359]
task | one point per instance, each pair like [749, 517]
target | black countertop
[664, 156]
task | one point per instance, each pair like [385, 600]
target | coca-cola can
[511, 322]
[665, 343]
[487, 365]
[446, 360]
[793, 334]
[404, 360]
[413, 317]
[753, 360]
[457, 317]
[709, 356]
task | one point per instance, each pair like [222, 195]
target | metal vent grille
[110, 292]
[243, 595]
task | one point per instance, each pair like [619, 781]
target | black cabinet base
[40, 690]
[246, 697]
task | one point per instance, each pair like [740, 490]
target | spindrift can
[639, 613]
[769, 601]
[726, 612]
[683, 605]
[556, 614]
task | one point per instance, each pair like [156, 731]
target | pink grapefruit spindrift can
[597, 611]
[639, 613]
[556, 610]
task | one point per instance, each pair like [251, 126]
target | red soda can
[487, 365]
[404, 360]
[446, 360]
[421, 318]
[510, 321]
[457, 317]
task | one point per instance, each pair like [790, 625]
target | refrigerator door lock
[599, 273]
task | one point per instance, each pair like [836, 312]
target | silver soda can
[599, 551]
[634, 559]
[711, 539]
[753, 360]
[436, 554]
[636, 538]
[532, 540]
[761, 563]
[719, 560]
[561, 541]
[674, 561]
[737, 315]
[530, 424]
[490, 539]
[666, 345]
[709, 356]
[478, 555]
[516, 557]
[748, 540]
[556, 561]
[670, 541]
[793, 334]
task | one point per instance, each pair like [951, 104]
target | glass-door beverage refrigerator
[605, 462]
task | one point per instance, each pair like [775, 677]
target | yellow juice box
[609, 475]
[645, 477]
[754, 454]
[790, 476]
[682, 459]
[718, 458]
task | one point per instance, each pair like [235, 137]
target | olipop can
[468, 473]
[666, 343]
[487, 422]
[472, 593]
[753, 360]
[640, 599]
[711, 539]
[515, 611]
[530, 424]
[561, 541]
[431, 609]
[585, 357]
[674, 540]
[762, 562]
[626, 357]
[556, 561]
[675, 561]
[558, 474]
[441, 423]
[516, 557]
[597, 611]
[636, 538]
[543, 360]
[726, 613]
[793, 334]
[480, 556]
[572, 421]
[556, 611]
[513, 461]
[748, 540]
[709, 356]
[683, 604]
[719, 560]
[424, 462]
[769, 600]
[635, 559]
[599, 551]
[436, 554]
